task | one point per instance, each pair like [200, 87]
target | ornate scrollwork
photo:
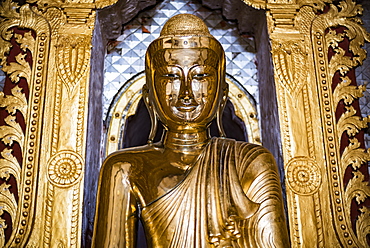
[23, 38]
[7, 204]
[346, 14]
[354, 156]
[350, 123]
[342, 122]
[15, 102]
[347, 92]
[9, 165]
[362, 226]
[19, 69]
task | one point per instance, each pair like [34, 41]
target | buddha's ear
[152, 115]
[145, 94]
[225, 92]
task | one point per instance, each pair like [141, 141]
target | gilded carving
[15, 102]
[289, 63]
[354, 156]
[8, 9]
[48, 214]
[12, 132]
[19, 69]
[315, 4]
[56, 19]
[362, 226]
[8, 204]
[303, 175]
[350, 123]
[57, 44]
[347, 92]
[72, 60]
[9, 165]
[258, 4]
[65, 169]
[296, 34]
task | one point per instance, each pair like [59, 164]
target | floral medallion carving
[303, 176]
[65, 169]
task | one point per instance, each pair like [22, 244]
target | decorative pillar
[45, 52]
[315, 47]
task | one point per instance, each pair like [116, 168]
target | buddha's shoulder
[133, 154]
[247, 152]
[243, 146]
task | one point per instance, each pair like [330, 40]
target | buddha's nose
[185, 100]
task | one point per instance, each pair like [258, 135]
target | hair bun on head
[184, 25]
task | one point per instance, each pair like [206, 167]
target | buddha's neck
[186, 142]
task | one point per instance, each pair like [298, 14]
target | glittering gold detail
[344, 14]
[65, 169]
[289, 59]
[303, 176]
[304, 32]
[8, 204]
[72, 59]
[14, 104]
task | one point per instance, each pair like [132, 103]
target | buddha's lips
[186, 105]
[186, 108]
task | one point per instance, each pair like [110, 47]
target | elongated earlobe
[219, 121]
[220, 111]
[152, 115]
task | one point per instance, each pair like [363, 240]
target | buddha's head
[185, 71]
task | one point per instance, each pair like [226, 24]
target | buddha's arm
[116, 218]
[267, 228]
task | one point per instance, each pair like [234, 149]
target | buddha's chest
[153, 176]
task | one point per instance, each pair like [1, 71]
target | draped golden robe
[231, 197]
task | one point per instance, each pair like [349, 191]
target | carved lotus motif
[303, 176]
[65, 169]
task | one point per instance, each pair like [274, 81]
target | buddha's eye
[200, 76]
[171, 76]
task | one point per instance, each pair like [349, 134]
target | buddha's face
[186, 85]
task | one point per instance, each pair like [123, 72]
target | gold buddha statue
[189, 190]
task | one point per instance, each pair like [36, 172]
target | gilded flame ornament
[189, 190]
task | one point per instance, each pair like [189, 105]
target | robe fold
[212, 206]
